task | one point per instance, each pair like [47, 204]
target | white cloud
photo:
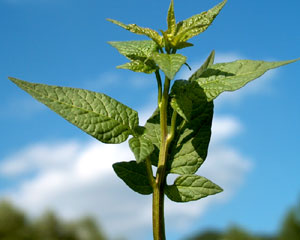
[76, 178]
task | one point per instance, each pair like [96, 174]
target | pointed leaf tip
[97, 114]
[140, 30]
[171, 21]
[169, 63]
[190, 188]
[232, 76]
[198, 23]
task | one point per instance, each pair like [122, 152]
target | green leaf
[171, 19]
[169, 63]
[136, 50]
[233, 75]
[98, 115]
[134, 175]
[152, 131]
[139, 66]
[184, 96]
[139, 52]
[188, 150]
[183, 45]
[190, 188]
[197, 23]
[141, 147]
[140, 30]
[208, 62]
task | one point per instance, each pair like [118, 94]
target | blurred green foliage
[15, 225]
[290, 230]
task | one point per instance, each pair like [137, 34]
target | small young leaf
[231, 76]
[140, 30]
[141, 147]
[139, 66]
[190, 188]
[197, 23]
[183, 45]
[134, 175]
[185, 95]
[136, 50]
[97, 114]
[169, 63]
[152, 131]
[171, 19]
[208, 62]
[188, 150]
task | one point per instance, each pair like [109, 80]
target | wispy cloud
[76, 178]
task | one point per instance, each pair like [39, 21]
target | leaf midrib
[76, 107]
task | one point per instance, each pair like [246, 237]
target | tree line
[16, 225]
[289, 230]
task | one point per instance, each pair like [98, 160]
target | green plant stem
[158, 213]
[150, 172]
[159, 86]
[173, 128]
[158, 190]
[164, 133]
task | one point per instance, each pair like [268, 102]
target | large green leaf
[197, 23]
[184, 96]
[141, 148]
[134, 175]
[141, 30]
[231, 76]
[190, 188]
[208, 62]
[100, 116]
[188, 150]
[169, 63]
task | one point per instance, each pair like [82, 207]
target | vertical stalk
[158, 189]
[158, 213]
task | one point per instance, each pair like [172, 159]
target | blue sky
[47, 163]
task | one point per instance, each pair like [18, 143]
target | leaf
[233, 75]
[197, 23]
[140, 30]
[134, 175]
[139, 66]
[152, 127]
[171, 19]
[141, 147]
[184, 96]
[190, 188]
[188, 150]
[97, 114]
[183, 45]
[136, 50]
[139, 52]
[169, 63]
[208, 62]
